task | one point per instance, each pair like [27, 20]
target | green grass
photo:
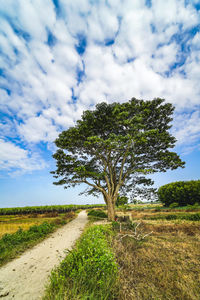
[88, 272]
[13, 244]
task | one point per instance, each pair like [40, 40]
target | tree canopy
[113, 147]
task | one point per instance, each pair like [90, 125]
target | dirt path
[25, 277]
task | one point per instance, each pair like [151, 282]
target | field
[24, 227]
[165, 264]
[11, 223]
[154, 251]
[45, 209]
[20, 232]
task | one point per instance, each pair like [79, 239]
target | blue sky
[59, 58]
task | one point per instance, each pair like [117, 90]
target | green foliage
[97, 213]
[121, 200]
[181, 192]
[88, 272]
[45, 209]
[11, 244]
[173, 205]
[113, 147]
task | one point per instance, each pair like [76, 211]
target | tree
[121, 200]
[112, 148]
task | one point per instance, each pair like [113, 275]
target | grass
[11, 223]
[180, 216]
[19, 233]
[186, 213]
[163, 266]
[160, 207]
[88, 272]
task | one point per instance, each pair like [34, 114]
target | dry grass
[11, 223]
[166, 265]
[138, 215]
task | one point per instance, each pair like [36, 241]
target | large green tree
[114, 146]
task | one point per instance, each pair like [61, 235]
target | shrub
[173, 205]
[97, 213]
[180, 192]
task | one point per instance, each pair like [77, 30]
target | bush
[192, 217]
[180, 192]
[173, 205]
[97, 213]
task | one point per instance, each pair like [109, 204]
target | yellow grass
[11, 228]
[10, 224]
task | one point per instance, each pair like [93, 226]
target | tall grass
[88, 272]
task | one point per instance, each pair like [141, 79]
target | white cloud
[38, 129]
[146, 45]
[186, 128]
[17, 160]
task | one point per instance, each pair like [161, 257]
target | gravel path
[25, 277]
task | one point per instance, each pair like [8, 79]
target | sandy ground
[25, 277]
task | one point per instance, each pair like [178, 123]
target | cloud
[38, 129]
[18, 161]
[60, 58]
[186, 128]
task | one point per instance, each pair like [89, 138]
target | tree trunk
[111, 210]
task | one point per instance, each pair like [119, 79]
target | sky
[61, 57]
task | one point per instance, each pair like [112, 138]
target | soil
[25, 278]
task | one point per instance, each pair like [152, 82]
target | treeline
[45, 209]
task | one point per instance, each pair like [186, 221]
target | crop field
[11, 223]
[45, 209]
[20, 232]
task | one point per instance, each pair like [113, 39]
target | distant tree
[136, 201]
[113, 147]
[121, 200]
